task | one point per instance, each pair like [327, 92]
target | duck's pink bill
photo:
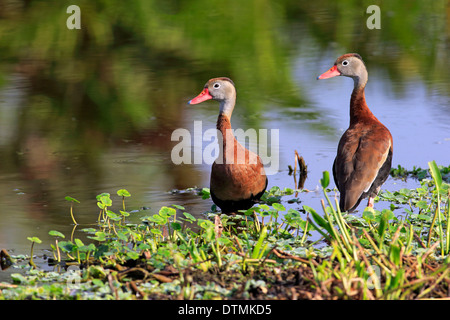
[203, 96]
[333, 72]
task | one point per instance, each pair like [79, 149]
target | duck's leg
[371, 202]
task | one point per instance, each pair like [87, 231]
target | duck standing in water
[364, 155]
[238, 179]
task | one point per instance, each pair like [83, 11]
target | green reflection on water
[128, 73]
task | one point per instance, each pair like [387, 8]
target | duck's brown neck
[224, 126]
[223, 123]
[231, 150]
[359, 111]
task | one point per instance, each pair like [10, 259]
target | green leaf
[257, 249]
[318, 219]
[122, 236]
[422, 204]
[70, 199]
[55, 233]
[104, 194]
[435, 174]
[205, 193]
[189, 216]
[156, 231]
[123, 193]
[176, 226]
[178, 207]
[66, 246]
[251, 211]
[105, 199]
[112, 215]
[369, 214]
[384, 221]
[424, 217]
[325, 181]
[34, 239]
[78, 243]
[395, 254]
[133, 255]
[124, 213]
[99, 236]
[18, 278]
[156, 218]
[278, 207]
[167, 212]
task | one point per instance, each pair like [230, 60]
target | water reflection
[91, 111]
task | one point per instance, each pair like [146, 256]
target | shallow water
[63, 133]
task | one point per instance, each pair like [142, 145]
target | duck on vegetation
[364, 154]
[238, 179]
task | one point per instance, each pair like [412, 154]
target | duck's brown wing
[360, 165]
[237, 186]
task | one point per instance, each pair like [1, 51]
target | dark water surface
[89, 111]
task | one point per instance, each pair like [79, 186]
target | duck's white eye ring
[216, 85]
[345, 63]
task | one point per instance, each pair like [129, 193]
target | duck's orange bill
[203, 96]
[333, 72]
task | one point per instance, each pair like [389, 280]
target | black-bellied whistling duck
[238, 179]
[364, 154]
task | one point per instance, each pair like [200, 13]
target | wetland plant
[33, 241]
[72, 201]
[396, 253]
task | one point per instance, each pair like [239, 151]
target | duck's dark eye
[216, 85]
[345, 63]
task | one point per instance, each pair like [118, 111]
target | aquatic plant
[267, 252]
[33, 241]
[72, 201]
